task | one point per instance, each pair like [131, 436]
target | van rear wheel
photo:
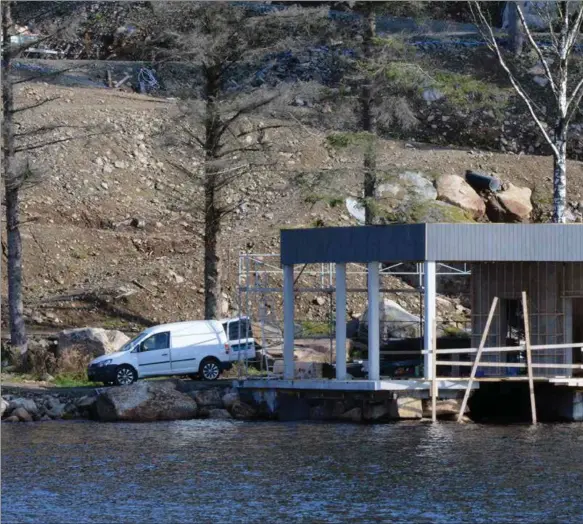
[210, 369]
[125, 375]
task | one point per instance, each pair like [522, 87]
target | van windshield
[133, 342]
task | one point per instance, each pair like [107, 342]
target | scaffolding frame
[260, 281]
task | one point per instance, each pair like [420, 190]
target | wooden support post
[477, 361]
[528, 357]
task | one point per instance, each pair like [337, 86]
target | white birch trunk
[560, 182]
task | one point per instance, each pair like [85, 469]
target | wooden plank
[477, 360]
[510, 365]
[122, 81]
[506, 348]
[497, 379]
[528, 357]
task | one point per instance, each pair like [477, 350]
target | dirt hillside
[111, 235]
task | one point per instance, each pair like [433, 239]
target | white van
[201, 348]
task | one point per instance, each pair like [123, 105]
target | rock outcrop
[407, 187]
[94, 341]
[218, 413]
[242, 411]
[207, 398]
[453, 189]
[511, 205]
[22, 415]
[145, 402]
[23, 403]
[409, 408]
[3, 407]
[395, 322]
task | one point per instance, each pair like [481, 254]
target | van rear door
[240, 336]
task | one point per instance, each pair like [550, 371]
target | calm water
[222, 471]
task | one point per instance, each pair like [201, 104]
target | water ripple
[216, 471]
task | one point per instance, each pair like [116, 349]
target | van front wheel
[125, 375]
[210, 369]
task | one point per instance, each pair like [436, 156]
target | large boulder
[242, 411]
[511, 205]
[94, 341]
[22, 415]
[382, 411]
[207, 398]
[409, 408]
[230, 398]
[27, 404]
[3, 407]
[219, 414]
[454, 190]
[407, 187]
[395, 322]
[57, 410]
[145, 402]
[447, 409]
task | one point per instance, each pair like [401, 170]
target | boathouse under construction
[512, 265]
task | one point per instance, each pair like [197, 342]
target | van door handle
[164, 354]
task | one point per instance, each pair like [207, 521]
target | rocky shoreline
[149, 401]
[143, 401]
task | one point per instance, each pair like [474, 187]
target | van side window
[157, 341]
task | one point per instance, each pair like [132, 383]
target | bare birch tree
[565, 89]
[225, 42]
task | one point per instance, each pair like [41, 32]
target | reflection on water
[223, 471]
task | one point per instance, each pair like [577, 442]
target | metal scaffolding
[260, 290]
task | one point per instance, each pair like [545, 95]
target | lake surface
[223, 471]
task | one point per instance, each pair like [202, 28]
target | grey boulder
[145, 402]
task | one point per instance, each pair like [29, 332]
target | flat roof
[435, 242]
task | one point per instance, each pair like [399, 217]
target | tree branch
[541, 57]
[33, 106]
[224, 182]
[53, 142]
[41, 75]
[227, 210]
[244, 110]
[575, 30]
[193, 136]
[493, 45]
[45, 129]
[249, 149]
[574, 102]
[260, 129]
